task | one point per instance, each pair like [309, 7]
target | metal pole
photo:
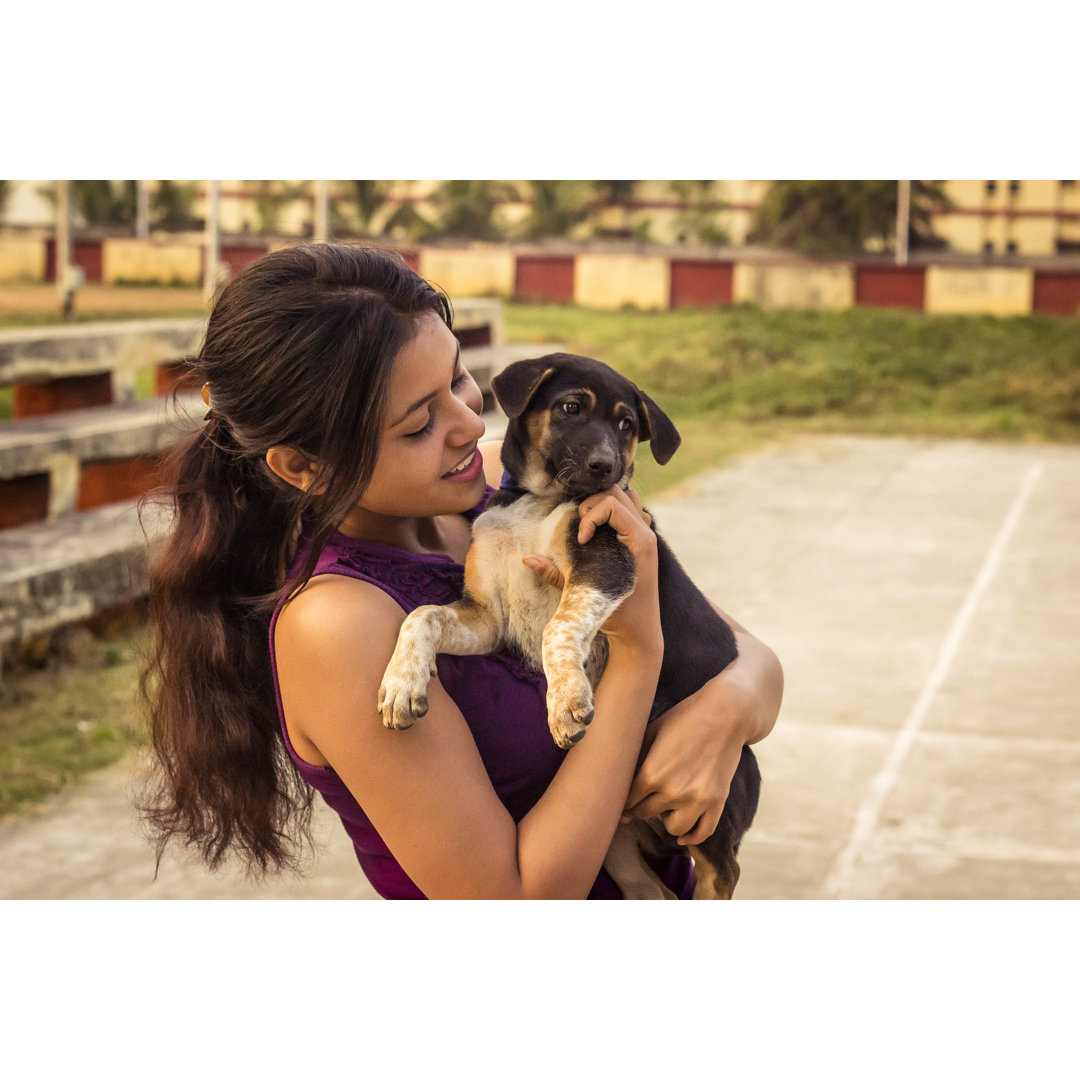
[322, 211]
[65, 283]
[213, 239]
[142, 210]
[903, 220]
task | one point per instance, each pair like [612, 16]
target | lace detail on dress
[421, 579]
[433, 579]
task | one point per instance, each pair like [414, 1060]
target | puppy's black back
[698, 644]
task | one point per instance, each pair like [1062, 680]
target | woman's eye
[459, 379]
[425, 430]
[571, 408]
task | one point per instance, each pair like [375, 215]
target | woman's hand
[691, 752]
[637, 618]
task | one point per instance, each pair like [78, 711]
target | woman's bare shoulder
[337, 616]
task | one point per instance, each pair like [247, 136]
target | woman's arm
[693, 750]
[425, 789]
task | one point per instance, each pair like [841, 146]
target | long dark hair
[298, 353]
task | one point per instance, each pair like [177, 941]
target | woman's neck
[446, 534]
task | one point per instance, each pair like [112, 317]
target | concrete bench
[72, 456]
[55, 573]
[65, 571]
[58, 368]
[62, 462]
[67, 562]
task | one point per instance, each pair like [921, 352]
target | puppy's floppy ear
[657, 429]
[515, 385]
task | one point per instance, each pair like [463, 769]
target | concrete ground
[924, 598]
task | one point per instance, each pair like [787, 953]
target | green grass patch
[735, 376]
[66, 720]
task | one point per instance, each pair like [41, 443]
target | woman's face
[428, 462]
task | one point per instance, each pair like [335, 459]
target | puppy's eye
[571, 408]
[625, 424]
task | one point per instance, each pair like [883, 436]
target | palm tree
[557, 206]
[370, 199]
[838, 217]
[99, 202]
[467, 208]
[173, 206]
[271, 197]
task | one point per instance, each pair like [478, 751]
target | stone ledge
[63, 571]
[56, 352]
[101, 433]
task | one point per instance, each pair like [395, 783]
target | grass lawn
[732, 379]
[67, 719]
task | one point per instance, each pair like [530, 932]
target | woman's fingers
[620, 509]
[545, 569]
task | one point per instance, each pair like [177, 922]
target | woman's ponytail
[298, 353]
[225, 782]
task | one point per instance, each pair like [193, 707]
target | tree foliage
[557, 206]
[371, 199]
[98, 202]
[271, 197]
[467, 208]
[839, 217]
[699, 204]
[172, 206]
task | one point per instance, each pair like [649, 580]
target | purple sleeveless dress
[502, 701]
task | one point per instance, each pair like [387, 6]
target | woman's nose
[469, 424]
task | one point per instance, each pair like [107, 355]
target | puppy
[574, 428]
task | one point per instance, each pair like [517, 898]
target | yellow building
[1026, 218]
[1011, 217]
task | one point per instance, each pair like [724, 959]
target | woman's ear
[292, 466]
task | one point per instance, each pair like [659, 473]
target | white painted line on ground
[840, 880]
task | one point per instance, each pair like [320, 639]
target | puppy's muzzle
[590, 471]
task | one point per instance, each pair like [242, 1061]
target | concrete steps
[64, 556]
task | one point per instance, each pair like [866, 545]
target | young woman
[329, 492]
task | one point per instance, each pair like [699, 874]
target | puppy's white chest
[502, 537]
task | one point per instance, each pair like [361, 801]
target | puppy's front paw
[403, 695]
[570, 709]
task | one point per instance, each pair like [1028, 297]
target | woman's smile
[468, 469]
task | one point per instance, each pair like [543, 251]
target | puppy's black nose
[602, 469]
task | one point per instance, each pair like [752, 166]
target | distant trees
[467, 208]
[557, 207]
[839, 217]
[700, 202]
[371, 200]
[172, 206]
[99, 202]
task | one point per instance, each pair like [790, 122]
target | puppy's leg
[465, 628]
[714, 879]
[568, 637]
[626, 864]
[601, 576]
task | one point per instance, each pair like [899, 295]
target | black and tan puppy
[574, 427]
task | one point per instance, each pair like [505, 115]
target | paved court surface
[924, 598]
